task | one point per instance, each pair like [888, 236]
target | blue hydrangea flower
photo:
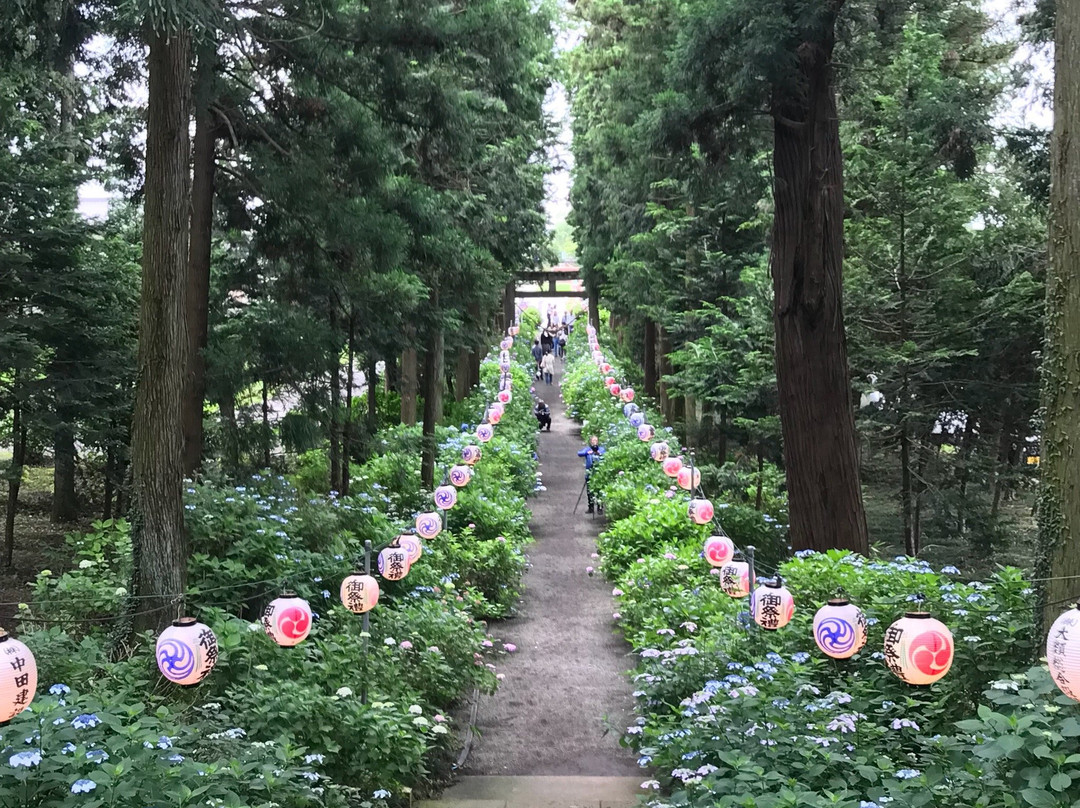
[97, 755]
[59, 690]
[85, 721]
[29, 759]
[83, 786]
[908, 774]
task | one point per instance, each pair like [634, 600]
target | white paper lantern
[627, 394]
[287, 619]
[412, 547]
[918, 648]
[840, 629]
[1062, 653]
[504, 366]
[359, 593]
[485, 432]
[505, 396]
[700, 511]
[429, 525]
[772, 605]
[504, 356]
[735, 579]
[688, 478]
[460, 475]
[630, 409]
[637, 419]
[719, 550]
[471, 454]
[18, 677]
[672, 466]
[393, 563]
[646, 433]
[514, 330]
[445, 497]
[186, 651]
[506, 344]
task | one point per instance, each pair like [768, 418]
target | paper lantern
[506, 344]
[672, 466]
[287, 619]
[627, 395]
[918, 648]
[504, 366]
[719, 550]
[18, 677]
[1062, 653]
[471, 454]
[505, 396]
[659, 451]
[615, 390]
[772, 605]
[630, 409]
[596, 355]
[429, 525]
[605, 367]
[840, 629]
[485, 432]
[494, 415]
[393, 563]
[359, 593]
[514, 330]
[645, 432]
[590, 330]
[412, 546]
[504, 356]
[460, 475]
[700, 511]
[186, 651]
[688, 478]
[637, 419]
[445, 497]
[608, 381]
[735, 579]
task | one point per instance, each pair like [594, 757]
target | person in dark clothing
[543, 414]
[547, 342]
[592, 454]
[538, 354]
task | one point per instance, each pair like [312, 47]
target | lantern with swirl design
[445, 497]
[840, 629]
[412, 546]
[630, 409]
[506, 344]
[513, 330]
[359, 592]
[287, 619]
[615, 390]
[494, 414]
[672, 466]
[428, 525]
[18, 677]
[627, 395]
[605, 367]
[505, 396]
[637, 419]
[719, 550]
[608, 381]
[1062, 653]
[659, 451]
[186, 651]
[646, 433]
[688, 478]
[460, 475]
[772, 605]
[597, 356]
[485, 432]
[700, 511]
[735, 579]
[918, 648]
[471, 454]
[393, 563]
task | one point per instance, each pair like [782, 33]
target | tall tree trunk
[649, 362]
[408, 378]
[905, 479]
[230, 432]
[107, 496]
[433, 391]
[335, 422]
[65, 504]
[816, 414]
[15, 473]
[350, 383]
[964, 473]
[594, 306]
[925, 448]
[198, 267]
[159, 541]
[267, 433]
[665, 369]
[461, 375]
[509, 306]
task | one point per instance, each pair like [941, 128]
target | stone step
[540, 792]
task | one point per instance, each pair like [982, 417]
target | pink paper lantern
[627, 395]
[506, 344]
[359, 593]
[719, 550]
[646, 433]
[700, 511]
[514, 330]
[614, 390]
[605, 367]
[659, 451]
[393, 563]
[735, 579]
[412, 546]
[840, 629]
[471, 454]
[772, 605]
[485, 432]
[494, 415]
[504, 366]
[1062, 653]
[18, 677]
[460, 475]
[918, 648]
[287, 619]
[672, 466]
[504, 396]
[186, 651]
[429, 525]
[445, 497]
[504, 356]
[688, 478]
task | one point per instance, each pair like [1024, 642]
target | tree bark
[408, 378]
[664, 369]
[267, 433]
[372, 395]
[65, 503]
[159, 540]
[649, 362]
[335, 421]
[594, 307]
[107, 496]
[433, 393]
[905, 481]
[461, 375]
[350, 383]
[509, 306]
[818, 425]
[198, 267]
[15, 474]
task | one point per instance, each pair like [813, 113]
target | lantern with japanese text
[471, 454]
[287, 619]
[659, 451]
[485, 432]
[672, 466]
[597, 356]
[646, 433]
[719, 550]
[18, 677]
[840, 629]
[514, 330]
[186, 651]
[918, 648]
[412, 547]
[1062, 653]
[445, 497]
[637, 419]
[615, 390]
[735, 579]
[688, 478]
[505, 396]
[393, 563]
[460, 475]
[504, 356]
[772, 605]
[359, 593]
[429, 525]
[627, 394]
[700, 511]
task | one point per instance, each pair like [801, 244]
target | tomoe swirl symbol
[445, 497]
[836, 635]
[176, 659]
[294, 622]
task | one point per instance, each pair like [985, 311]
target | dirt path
[566, 698]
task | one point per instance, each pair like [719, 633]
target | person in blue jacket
[592, 454]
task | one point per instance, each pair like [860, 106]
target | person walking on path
[537, 354]
[592, 454]
[543, 414]
[547, 365]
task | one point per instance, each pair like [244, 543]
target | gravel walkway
[566, 697]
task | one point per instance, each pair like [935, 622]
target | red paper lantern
[18, 677]
[918, 648]
[359, 593]
[772, 605]
[627, 395]
[672, 466]
[504, 396]
[287, 619]
[719, 550]
[494, 415]
[700, 511]
[609, 380]
[688, 478]
[614, 390]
